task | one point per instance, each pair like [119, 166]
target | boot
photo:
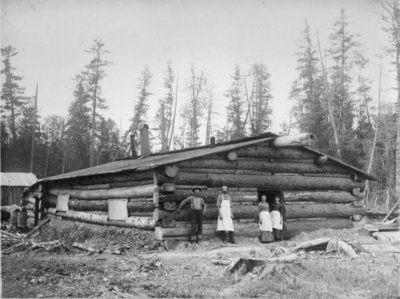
[231, 238]
[224, 237]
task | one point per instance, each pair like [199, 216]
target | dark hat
[194, 189]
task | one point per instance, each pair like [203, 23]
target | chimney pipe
[144, 141]
[212, 141]
[133, 146]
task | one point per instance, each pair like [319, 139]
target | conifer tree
[95, 73]
[307, 92]
[12, 94]
[236, 108]
[260, 106]
[141, 104]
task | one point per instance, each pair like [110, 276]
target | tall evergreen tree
[108, 141]
[141, 105]
[260, 106]
[346, 56]
[11, 93]
[95, 73]
[236, 107]
[391, 17]
[194, 109]
[77, 148]
[164, 116]
[307, 92]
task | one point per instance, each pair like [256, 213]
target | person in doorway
[265, 223]
[225, 215]
[276, 218]
[197, 210]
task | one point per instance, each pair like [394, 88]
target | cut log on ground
[273, 182]
[315, 196]
[37, 228]
[85, 248]
[262, 165]
[126, 192]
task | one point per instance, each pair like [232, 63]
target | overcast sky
[52, 36]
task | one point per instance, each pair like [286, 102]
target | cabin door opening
[270, 194]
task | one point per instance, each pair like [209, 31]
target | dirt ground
[145, 269]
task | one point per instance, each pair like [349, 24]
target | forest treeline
[331, 96]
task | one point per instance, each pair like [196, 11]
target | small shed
[12, 186]
[318, 191]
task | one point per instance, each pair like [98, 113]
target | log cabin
[317, 190]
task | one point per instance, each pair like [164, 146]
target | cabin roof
[17, 179]
[162, 159]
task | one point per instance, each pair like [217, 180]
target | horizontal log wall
[273, 182]
[295, 211]
[134, 205]
[262, 165]
[134, 178]
[102, 219]
[122, 192]
[251, 229]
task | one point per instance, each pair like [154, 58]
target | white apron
[265, 219]
[276, 220]
[226, 224]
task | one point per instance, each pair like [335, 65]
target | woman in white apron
[265, 223]
[225, 215]
[276, 218]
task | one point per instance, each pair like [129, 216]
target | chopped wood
[341, 246]
[290, 258]
[316, 244]
[85, 248]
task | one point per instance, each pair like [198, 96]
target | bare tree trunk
[94, 112]
[328, 98]
[33, 129]
[47, 160]
[171, 137]
[371, 156]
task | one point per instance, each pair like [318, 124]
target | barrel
[14, 218]
[118, 209]
[22, 219]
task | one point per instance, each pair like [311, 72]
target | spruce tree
[12, 94]
[236, 107]
[260, 106]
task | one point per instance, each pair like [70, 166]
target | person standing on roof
[225, 215]
[197, 210]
